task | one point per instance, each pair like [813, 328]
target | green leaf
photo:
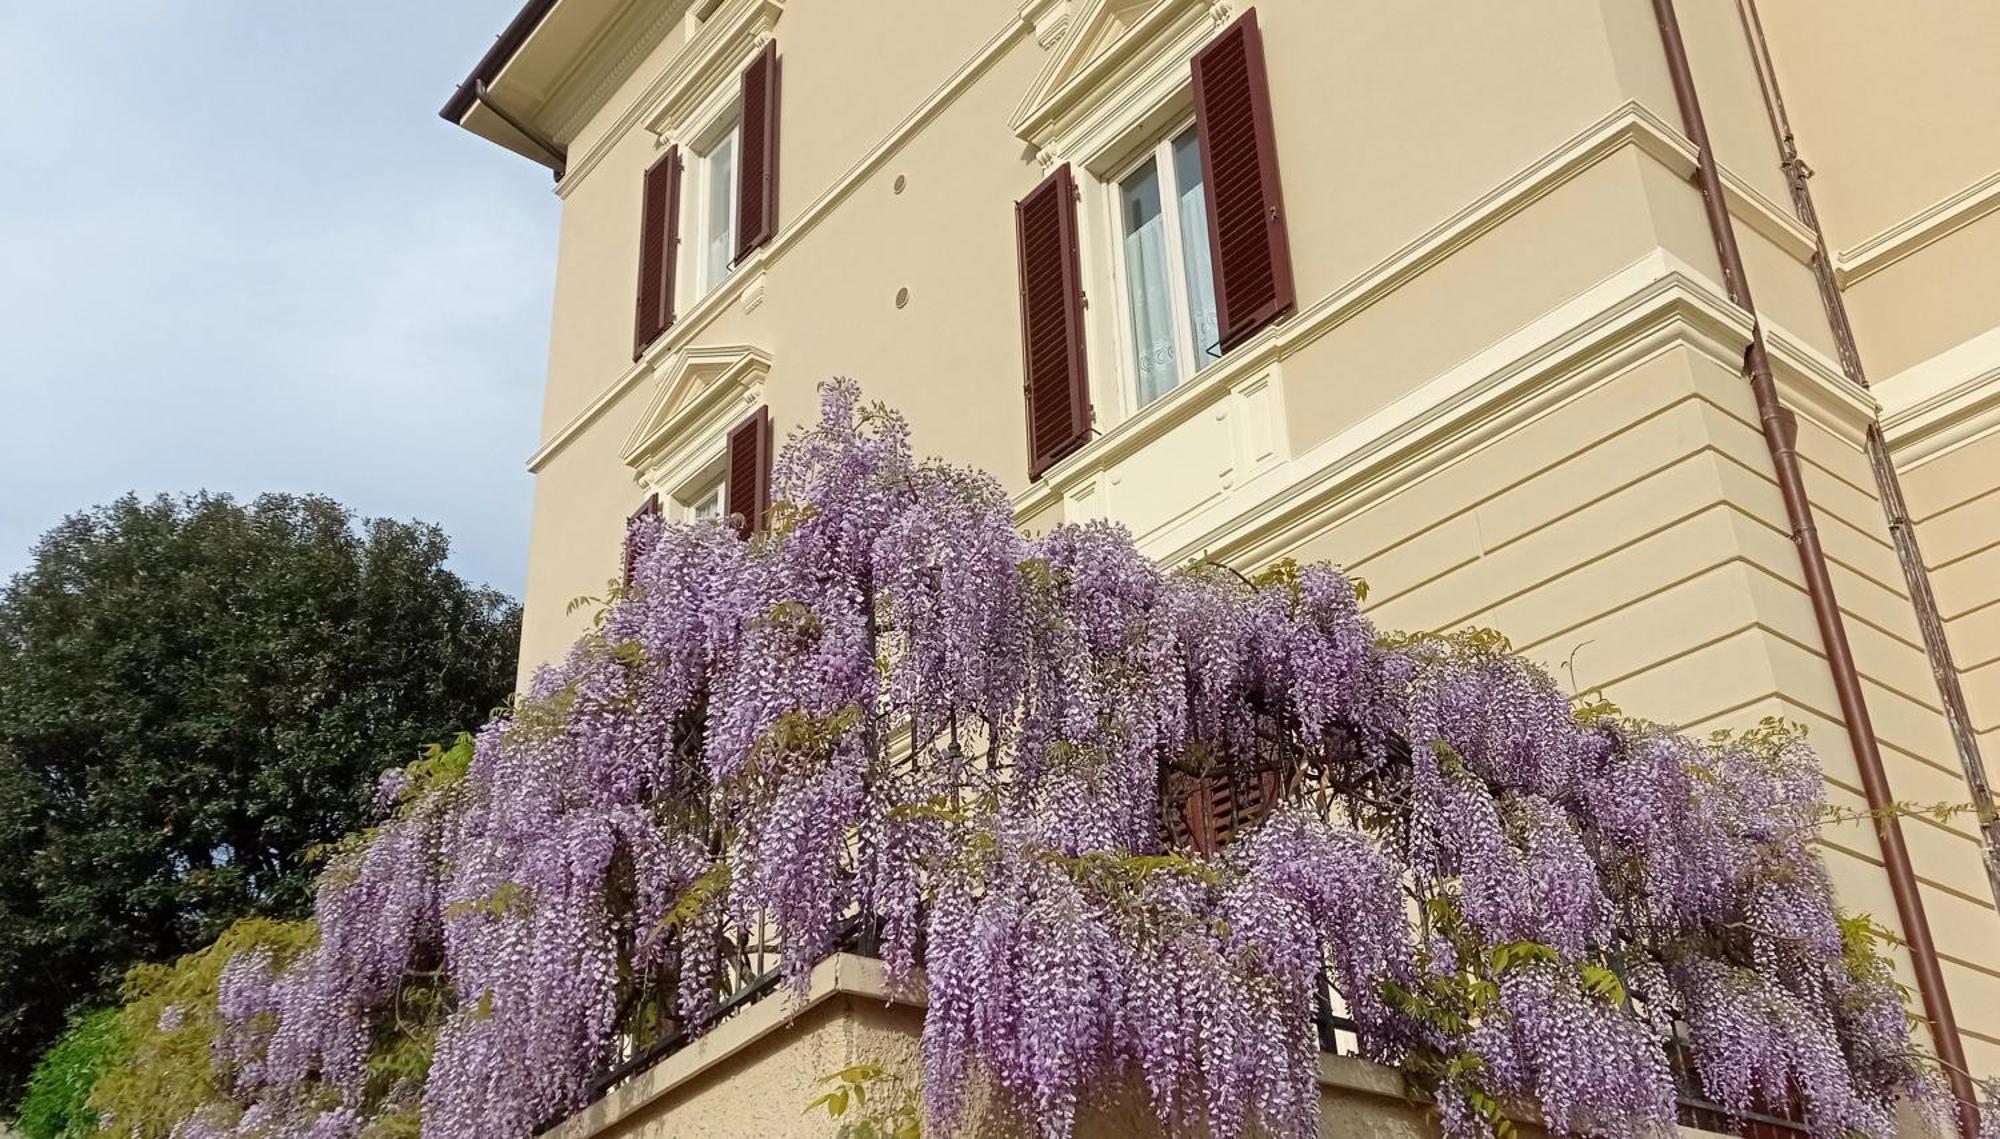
[1601, 981]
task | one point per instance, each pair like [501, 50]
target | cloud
[241, 253]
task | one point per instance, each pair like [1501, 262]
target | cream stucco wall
[1960, 521]
[1510, 394]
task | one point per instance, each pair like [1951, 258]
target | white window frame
[697, 200]
[708, 487]
[1189, 358]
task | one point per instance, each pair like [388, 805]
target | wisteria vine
[1014, 761]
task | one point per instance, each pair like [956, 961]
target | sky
[240, 252]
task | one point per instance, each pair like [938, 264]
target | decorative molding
[753, 291]
[1632, 124]
[749, 273]
[570, 113]
[1746, 203]
[1655, 304]
[1244, 393]
[1920, 229]
[694, 68]
[702, 393]
[1943, 403]
[1049, 18]
[712, 60]
[1068, 110]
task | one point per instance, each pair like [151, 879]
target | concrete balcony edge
[840, 982]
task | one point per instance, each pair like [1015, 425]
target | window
[1188, 225]
[1164, 267]
[714, 206]
[703, 501]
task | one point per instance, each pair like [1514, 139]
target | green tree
[57, 1105]
[194, 693]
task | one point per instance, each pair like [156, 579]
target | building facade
[1432, 291]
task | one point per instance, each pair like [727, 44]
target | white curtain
[1194, 248]
[1146, 289]
[721, 210]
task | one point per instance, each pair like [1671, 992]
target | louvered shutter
[636, 535]
[1055, 380]
[749, 489]
[1239, 161]
[1214, 810]
[757, 181]
[659, 235]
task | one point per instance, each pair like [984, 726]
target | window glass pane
[1194, 247]
[706, 504]
[720, 225]
[710, 505]
[1155, 360]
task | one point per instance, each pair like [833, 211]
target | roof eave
[505, 46]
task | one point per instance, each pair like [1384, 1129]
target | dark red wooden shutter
[749, 490]
[659, 235]
[1055, 379]
[1239, 163]
[757, 180]
[635, 543]
[1214, 810]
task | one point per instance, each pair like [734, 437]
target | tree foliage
[896, 710]
[193, 693]
[58, 1105]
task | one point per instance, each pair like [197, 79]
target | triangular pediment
[696, 385]
[1103, 49]
[1103, 25]
[1090, 36]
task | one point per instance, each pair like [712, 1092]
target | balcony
[755, 1062]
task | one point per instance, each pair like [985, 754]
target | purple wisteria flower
[893, 712]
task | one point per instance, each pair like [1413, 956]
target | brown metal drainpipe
[1781, 434]
[1929, 622]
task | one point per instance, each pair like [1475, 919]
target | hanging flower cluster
[1012, 762]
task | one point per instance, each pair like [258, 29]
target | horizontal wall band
[1928, 225]
[1631, 124]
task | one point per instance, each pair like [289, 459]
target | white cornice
[1920, 229]
[1632, 124]
[1948, 400]
[1746, 203]
[598, 73]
